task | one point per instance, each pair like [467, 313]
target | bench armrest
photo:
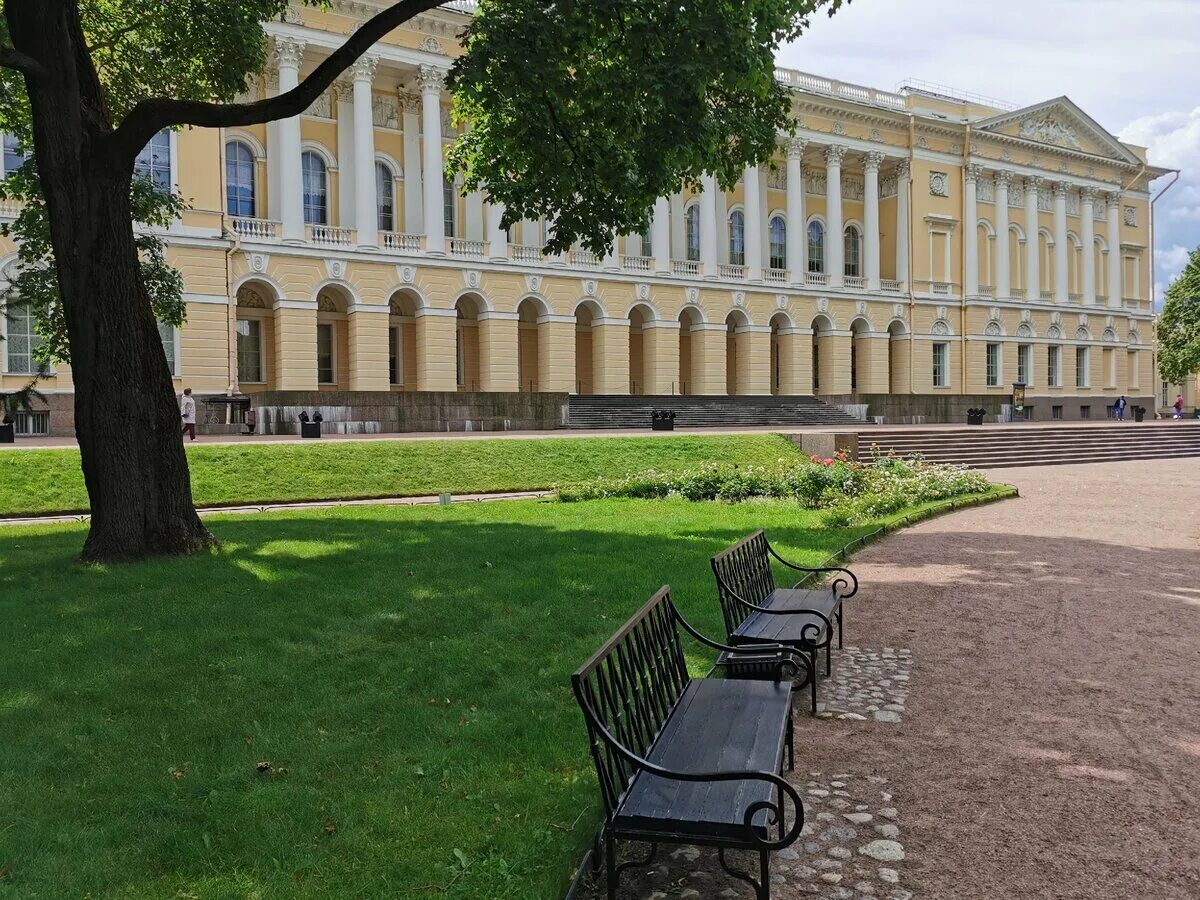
[784, 657]
[810, 632]
[775, 810]
[845, 579]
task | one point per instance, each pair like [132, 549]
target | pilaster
[498, 351]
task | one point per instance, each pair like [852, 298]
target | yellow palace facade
[900, 249]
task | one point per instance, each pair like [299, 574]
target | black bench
[688, 760]
[757, 611]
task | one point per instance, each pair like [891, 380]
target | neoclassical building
[900, 248]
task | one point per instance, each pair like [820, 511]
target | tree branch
[11, 58]
[154, 114]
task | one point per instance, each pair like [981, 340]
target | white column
[797, 243]
[1033, 253]
[708, 226]
[902, 237]
[752, 212]
[1061, 283]
[1087, 236]
[612, 259]
[366, 216]
[871, 217]
[1003, 287]
[289, 53]
[414, 197]
[497, 237]
[835, 242]
[660, 236]
[1116, 284]
[431, 79]
[971, 232]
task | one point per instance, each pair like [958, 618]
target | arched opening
[783, 358]
[821, 326]
[816, 246]
[528, 345]
[1100, 266]
[333, 339]
[860, 378]
[689, 356]
[1016, 260]
[466, 344]
[255, 328]
[777, 235]
[1046, 267]
[640, 364]
[737, 354]
[986, 249]
[1074, 265]
[585, 314]
[897, 360]
[402, 340]
[852, 247]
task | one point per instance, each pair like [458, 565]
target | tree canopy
[1178, 329]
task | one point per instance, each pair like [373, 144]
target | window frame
[327, 328]
[737, 237]
[994, 364]
[306, 193]
[148, 165]
[253, 330]
[16, 311]
[691, 228]
[169, 335]
[450, 207]
[241, 145]
[11, 147]
[1083, 373]
[852, 244]
[385, 175]
[1025, 364]
[777, 254]
[1054, 366]
[816, 249]
[395, 355]
[940, 367]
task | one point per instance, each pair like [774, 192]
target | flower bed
[847, 492]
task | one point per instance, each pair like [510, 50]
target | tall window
[853, 243]
[691, 228]
[1082, 375]
[993, 365]
[154, 161]
[395, 365]
[778, 234]
[325, 353]
[23, 340]
[737, 238]
[249, 351]
[1054, 366]
[941, 365]
[385, 197]
[14, 156]
[816, 247]
[167, 334]
[449, 207]
[647, 243]
[1025, 364]
[316, 188]
[239, 179]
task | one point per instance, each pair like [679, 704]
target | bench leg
[791, 741]
[610, 863]
[812, 678]
[828, 668]
[598, 851]
[839, 618]
[764, 874]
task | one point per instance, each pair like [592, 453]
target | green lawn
[403, 670]
[44, 481]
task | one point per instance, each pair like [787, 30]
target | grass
[49, 481]
[403, 670]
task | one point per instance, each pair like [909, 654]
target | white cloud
[1171, 260]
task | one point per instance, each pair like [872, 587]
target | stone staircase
[1009, 446]
[622, 411]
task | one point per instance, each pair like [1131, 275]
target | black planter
[975, 416]
[662, 420]
[1139, 413]
[8, 434]
[310, 429]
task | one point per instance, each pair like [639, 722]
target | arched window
[647, 244]
[691, 227]
[385, 197]
[449, 207]
[154, 161]
[778, 232]
[14, 156]
[737, 238]
[816, 247]
[239, 179]
[853, 251]
[316, 188]
[22, 340]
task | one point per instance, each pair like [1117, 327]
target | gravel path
[1048, 743]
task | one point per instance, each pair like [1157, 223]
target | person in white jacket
[187, 410]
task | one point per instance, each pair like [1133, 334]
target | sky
[1132, 65]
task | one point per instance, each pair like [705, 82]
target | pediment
[1059, 123]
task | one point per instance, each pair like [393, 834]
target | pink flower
[828, 462]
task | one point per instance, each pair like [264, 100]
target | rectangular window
[1085, 412]
[1054, 366]
[395, 355]
[1056, 412]
[1110, 366]
[1082, 375]
[460, 359]
[14, 155]
[154, 161]
[1025, 364]
[167, 334]
[22, 341]
[450, 208]
[249, 351]
[325, 353]
[993, 365]
[1131, 369]
[941, 365]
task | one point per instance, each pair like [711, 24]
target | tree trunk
[126, 418]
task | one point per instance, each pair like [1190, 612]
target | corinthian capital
[795, 147]
[289, 53]
[1003, 178]
[834, 154]
[974, 170]
[1061, 188]
[1088, 194]
[364, 68]
[873, 160]
[902, 169]
[431, 79]
[1033, 183]
[1113, 198]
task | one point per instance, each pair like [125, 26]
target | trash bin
[975, 416]
[662, 420]
[1139, 413]
[310, 429]
[8, 433]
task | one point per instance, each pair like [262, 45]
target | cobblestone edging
[867, 684]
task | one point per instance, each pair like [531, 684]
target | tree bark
[126, 418]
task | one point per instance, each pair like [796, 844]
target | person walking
[187, 411]
[1178, 406]
[1119, 408]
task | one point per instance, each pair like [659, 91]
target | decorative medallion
[939, 184]
[739, 298]
[1026, 315]
[922, 144]
[1056, 318]
[823, 304]
[407, 274]
[643, 291]
[336, 268]
[533, 282]
[899, 310]
[259, 261]
[941, 312]
[994, 313]
[473, 278]
[940, 328]
[1109, 321]
[993, 329]
[876, 135]
[1024, 330]
[781, 301]
[693, 294]
[589, 287]
[432, 45]
[838, 129]
[1083, 319]
[861, 307]
[1131, 216]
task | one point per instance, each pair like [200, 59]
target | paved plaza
[1050, 740]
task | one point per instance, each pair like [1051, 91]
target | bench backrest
[630, 686]
[743, 570]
